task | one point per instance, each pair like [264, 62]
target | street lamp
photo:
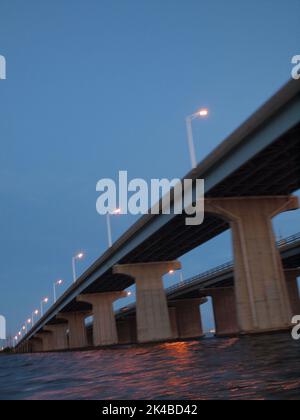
[202, 113]
[108, 222]
[56, 283]
[181, 277]
[35, 313]
[171, 272]
[43, 302]
[28, 322]
[79, 256]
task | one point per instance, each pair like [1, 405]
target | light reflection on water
[262, 367]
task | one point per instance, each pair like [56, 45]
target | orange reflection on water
[179, 347]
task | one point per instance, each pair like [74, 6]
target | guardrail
[199, 277]
[289, 240]
[224, 267]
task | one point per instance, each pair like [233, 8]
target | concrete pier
[173, 322]
[76, 328]
[104, 322]
[46, 339]
[126, 329]
[153, 321]
[35, 345]
[59, 336]
[224, 304]
[260, 288]
[188, 317]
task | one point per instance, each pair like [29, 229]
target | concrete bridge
[250, 178]
[218, 284]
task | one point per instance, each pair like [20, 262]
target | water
[262, 367]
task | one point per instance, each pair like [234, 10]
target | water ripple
[263, 367]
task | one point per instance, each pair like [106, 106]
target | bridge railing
[205, 275]
[289, 240]
[224, 267]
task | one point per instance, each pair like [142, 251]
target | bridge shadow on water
[260, 367]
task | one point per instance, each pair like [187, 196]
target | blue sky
[98, 86]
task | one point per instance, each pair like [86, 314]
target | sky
[98, 86]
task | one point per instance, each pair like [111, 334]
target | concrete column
[153, 322]
[47, 340]
[224, 305]
[36, 345]
[189, 323]
[173, 321]
[260, 288]
[59, 332]
[126, 328]
[104, 323]
[292, 285]
[77, 328]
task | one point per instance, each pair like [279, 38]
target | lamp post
[43, 302]
[202, 113]
[35, 313]
[171, 272]
[108, 222]
[28, 322]
[55, 284]
[79, 256]
[181, 277]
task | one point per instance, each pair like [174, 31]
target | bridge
[249, 179]
[213, 283]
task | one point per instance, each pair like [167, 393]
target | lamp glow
[57, 283]
[202, 113]
[78, 256]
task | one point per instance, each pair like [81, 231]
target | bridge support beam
[153, 321]
[104, 324]
[225, 314]
[77, 328]
[188, 316]
[59, 334]
[47, 340]
[126, 329]
[292, 285]
[261, 293]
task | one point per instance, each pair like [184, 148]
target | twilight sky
[98, 86]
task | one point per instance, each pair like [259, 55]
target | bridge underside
[282, 159]
[257, 160]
